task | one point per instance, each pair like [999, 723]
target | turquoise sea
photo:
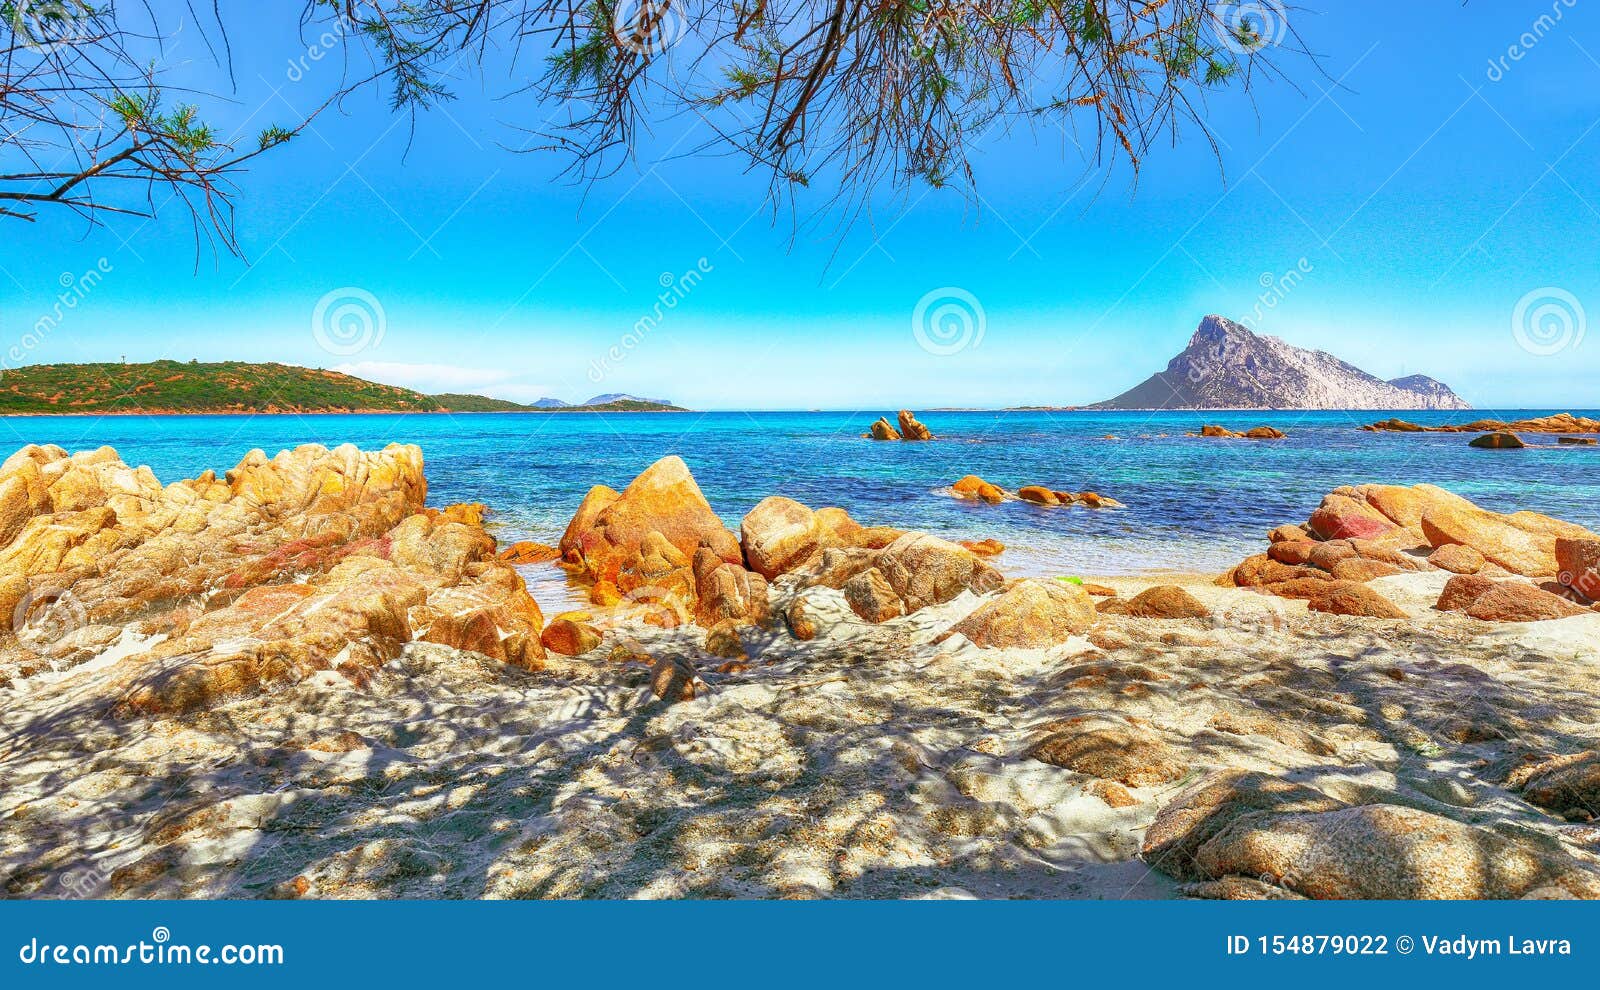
[1193, 505]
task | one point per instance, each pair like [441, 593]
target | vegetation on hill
[173, 386]
[463, 402]
[236, 387]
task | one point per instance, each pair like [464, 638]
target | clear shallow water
[1193, 505]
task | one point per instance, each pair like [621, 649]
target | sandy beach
[297, 679]
[867, 763]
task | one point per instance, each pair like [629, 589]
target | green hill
[161, 387]
[220, 387]
[460, 402]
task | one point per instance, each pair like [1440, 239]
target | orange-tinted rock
[873, 537]
[1362, 570]
[570, 634]
[605, 594]
[836, 565]
[973, 486]
[723, 640]
[799, 620]
[911, 429]
[1262, 570]
[780, 534]
[925, 570]
[1109, 748]
[726, 592]
[1578, 566]
[1521, 542]
[1111, 792]
[311, 561]
[1260, 829]
[1461, 591]
[1350, 598]
[985, 547]
[869, 596]
[1288, 534]
[1265, 433]
[1515, 601]
[663, 500]
[673, 679]
[1343, 517]
[1029, 614]
[528, 552]
[1038, 495]
[1565, 785]
[595, 502]
[1295, 553]
[881, 430]
[1166, 602]
[1498, 441]
[1457, 559]
[1095, 500]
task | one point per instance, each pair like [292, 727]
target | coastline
[814, 707]
[339, 412]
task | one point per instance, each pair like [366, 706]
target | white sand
[868, 763]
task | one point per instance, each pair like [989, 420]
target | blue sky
[1428, 187]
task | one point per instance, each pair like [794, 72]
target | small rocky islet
[298, 679]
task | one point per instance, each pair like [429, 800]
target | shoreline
[813, 707]
[159, 414]
[763, 412]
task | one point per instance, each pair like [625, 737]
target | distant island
[174, 387]
[1226, 366]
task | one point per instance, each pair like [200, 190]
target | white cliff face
[1227, 367]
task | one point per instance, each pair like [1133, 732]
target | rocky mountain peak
[1226, 366]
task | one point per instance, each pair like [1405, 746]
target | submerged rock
[1498, 441]
[973, 486]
